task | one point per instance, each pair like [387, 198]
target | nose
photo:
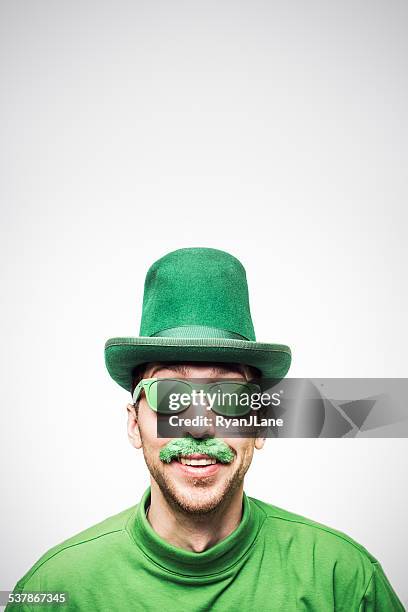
[202, 421]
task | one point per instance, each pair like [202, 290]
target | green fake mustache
[213, 447]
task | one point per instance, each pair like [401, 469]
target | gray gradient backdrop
[275, 131]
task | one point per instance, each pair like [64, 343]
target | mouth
[197, 465]
[196, 460]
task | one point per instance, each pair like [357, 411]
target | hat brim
[123, 355]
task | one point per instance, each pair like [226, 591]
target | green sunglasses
[173, 395]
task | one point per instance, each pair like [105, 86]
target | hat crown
[197, 287]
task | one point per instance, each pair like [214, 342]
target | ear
[259, 443]
[133, 427]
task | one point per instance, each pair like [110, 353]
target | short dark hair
[138, 374]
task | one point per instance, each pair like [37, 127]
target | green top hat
[195, 308]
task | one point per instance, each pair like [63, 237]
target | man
[195, 541]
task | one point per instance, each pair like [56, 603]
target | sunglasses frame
[146, 383]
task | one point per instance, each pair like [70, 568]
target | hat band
[197, 331]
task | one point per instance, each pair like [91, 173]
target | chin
[197, 500]
[196, 496]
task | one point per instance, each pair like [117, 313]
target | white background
[274, 131]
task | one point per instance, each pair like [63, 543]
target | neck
[190, 531]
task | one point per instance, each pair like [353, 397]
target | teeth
[186, 461]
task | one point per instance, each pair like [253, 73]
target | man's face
[192, 489]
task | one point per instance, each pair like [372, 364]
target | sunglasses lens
[170, 396]
[233, 399]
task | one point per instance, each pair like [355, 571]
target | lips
[197, 465]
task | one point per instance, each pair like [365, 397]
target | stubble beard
[201, 498]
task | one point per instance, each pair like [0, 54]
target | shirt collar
[214, 560]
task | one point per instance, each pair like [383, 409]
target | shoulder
[80, 552]
[320, 553]
[329, 543]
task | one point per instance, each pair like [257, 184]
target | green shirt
[274, 561]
